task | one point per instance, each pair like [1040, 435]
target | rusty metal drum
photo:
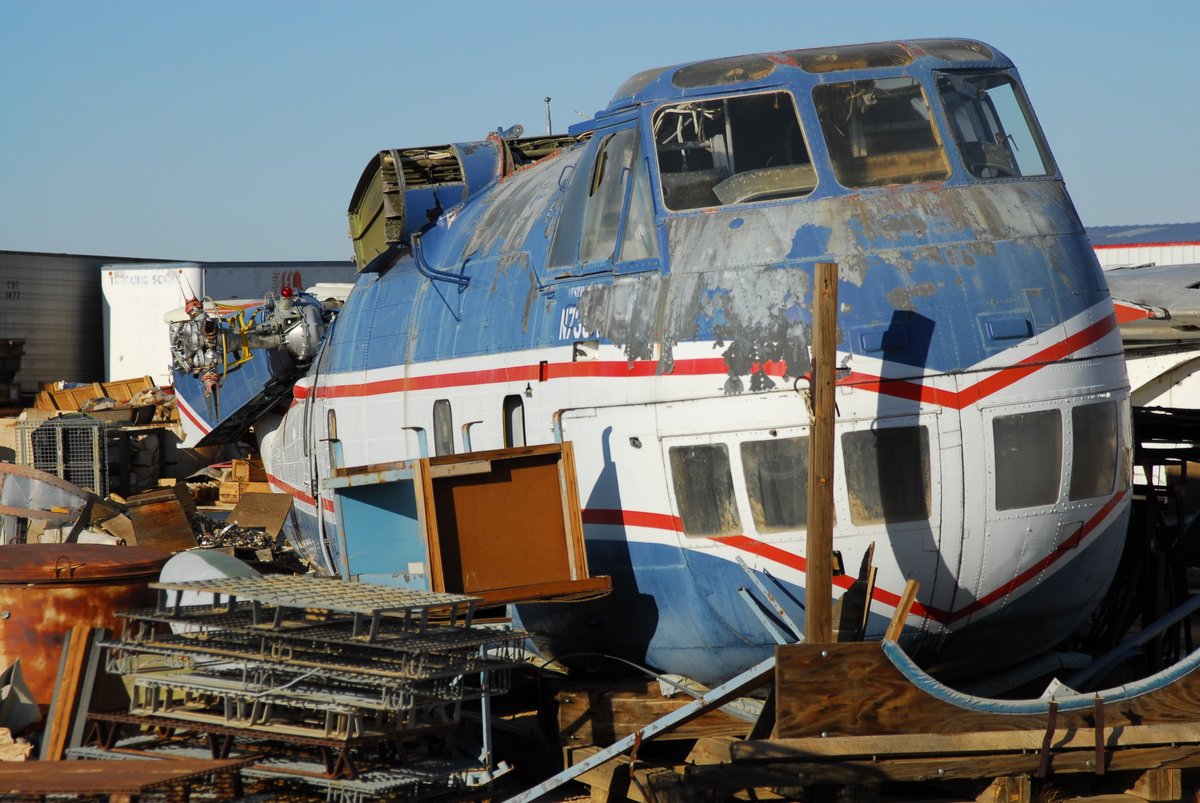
[46, 589]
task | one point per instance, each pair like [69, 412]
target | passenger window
[880, 132]
[514, 421]
[995, 132]
[704, 489]
[1095, 450]
[443, 428]
[887, 474]
[1028, 459]
[776, 473]
[732, 150]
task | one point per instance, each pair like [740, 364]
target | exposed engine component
[217, 337]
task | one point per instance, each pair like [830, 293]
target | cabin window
[887, 474]
[731, 150]
[514, 421]
[1028, 459]
[995, 131]
[776, 473]
[443, 428]
[1095, 450]
[852, 57]
[880, 132]
[704, 489]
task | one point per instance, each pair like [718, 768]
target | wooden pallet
[852, 724]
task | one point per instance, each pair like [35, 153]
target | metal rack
[71, 447]
[291, 665]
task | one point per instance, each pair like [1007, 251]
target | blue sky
[236, 130]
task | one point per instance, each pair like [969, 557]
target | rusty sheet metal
[105, 777]
[28, 493]
[45, 589]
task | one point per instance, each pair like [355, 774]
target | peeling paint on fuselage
[939, 284]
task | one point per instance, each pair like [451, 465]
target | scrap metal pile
[353, 688]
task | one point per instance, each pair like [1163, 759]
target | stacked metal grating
[71, 447]
[354, 688]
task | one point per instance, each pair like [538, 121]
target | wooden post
[818, 622]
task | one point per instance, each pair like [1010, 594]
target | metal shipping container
[52, 302]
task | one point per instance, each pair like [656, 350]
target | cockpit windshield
[880, 131]
[996, 134]
[731, 150]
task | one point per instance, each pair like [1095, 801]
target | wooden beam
[818, 621]
[755, 775]
[66, 692]
[855, 689]
[1009, 789]
[924, 744]
[1158, 784]
[903, 608]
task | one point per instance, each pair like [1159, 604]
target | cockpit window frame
[653, 115]
[1026, 108]
[936, 122]
[581, 183]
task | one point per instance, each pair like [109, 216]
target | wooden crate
[72, 399]
[123, 390]
[231, 491]
[247, 471]
[502, 525]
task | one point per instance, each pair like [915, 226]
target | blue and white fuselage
[645, 292]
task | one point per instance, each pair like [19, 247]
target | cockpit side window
[596, 193]
[606, 195]
[880, 131]
[996, 134]
[731, 150]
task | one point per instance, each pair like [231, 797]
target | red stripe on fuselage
[191, 416]
[913, 390]
[797, 562]
[299, 495]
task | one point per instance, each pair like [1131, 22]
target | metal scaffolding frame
[365, 675]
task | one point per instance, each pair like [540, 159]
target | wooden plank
[903, 608]
[101, 777]
[614, 781]
[66, 693]
[754, 775]
[268, 511]
[161, 522]
[871, 696]
[592, 714]
[122, 390]
[561, 590]
[73, 398]
[44, 401]
[818, 621]
[1158, 784]
[918, 744]
[712, 750]
[1010, 789]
